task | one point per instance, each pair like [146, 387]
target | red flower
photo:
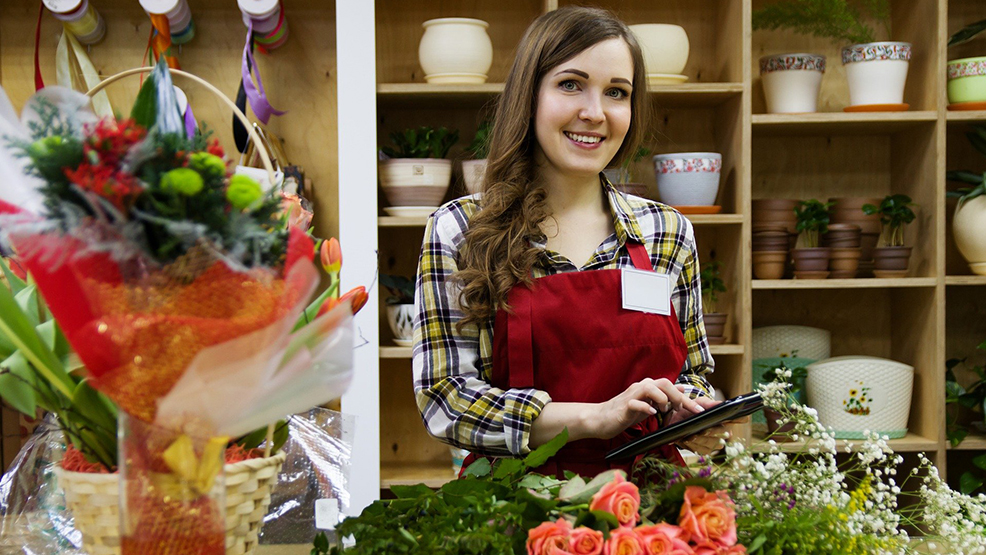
[110, 139]
[215, 149]
[117, 187]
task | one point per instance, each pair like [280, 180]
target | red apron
[571, 336]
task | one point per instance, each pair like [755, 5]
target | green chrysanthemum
[243, 191]
[207, 164]
[183, 181]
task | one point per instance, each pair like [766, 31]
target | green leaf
[585, 493]
[980, 461]
[16, 326]
[969, 483]
[407, 535]
[281, 434]
[505, 468]
[17, 381]
[479, 469]
[756, 544]
[541, 455]
[27, 299]
[321, 542]
[16, 283]
[253, 439]
[967, 33]
[571, 488]
[144, 110]
[90, 402]
[965, 177]
[411, 492]
[957, 436]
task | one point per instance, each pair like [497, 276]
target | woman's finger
[679, 399]
[644, 407]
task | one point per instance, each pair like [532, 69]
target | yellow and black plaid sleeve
[451, 381]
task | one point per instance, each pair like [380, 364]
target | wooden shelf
[839, 123]
[859, 283]
[965, 116]
[910, 443]
[405, 352]
[972, 442]
[727, 349]
[433, 475]
[395, 352]
[684, 95]
[696, 219]
[965, 280]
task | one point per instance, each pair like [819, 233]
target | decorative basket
[792, 345]
[94, 500]
[854, 394]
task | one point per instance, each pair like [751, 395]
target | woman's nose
[592, 109]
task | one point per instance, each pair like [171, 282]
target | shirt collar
[624, 221]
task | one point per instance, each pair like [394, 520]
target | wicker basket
[94, 500]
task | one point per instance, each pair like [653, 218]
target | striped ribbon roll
[266, 17]
[80, 18]
[178, 14]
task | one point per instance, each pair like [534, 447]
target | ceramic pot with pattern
[688, 178]
[401, 320]
[876, 72]
[791, 82]
[415, 181]
[967, 80]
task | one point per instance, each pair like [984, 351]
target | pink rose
[620, 498]
[664, 539]
[298, 216]
[708, 517]
[624, 541]
[711, 548]
[586, 541]
[548, 535]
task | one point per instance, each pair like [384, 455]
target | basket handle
[261, 150]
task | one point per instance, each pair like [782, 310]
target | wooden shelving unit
[872, 283]
[911, 443]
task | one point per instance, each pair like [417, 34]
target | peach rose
[542, 539]
[711, 548]
[624, 541]
[619, 497]
[664, 539]
[586, 541]
[708, 517]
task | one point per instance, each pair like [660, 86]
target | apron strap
[639, 256]
[521, 339]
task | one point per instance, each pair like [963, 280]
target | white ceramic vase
[688, 178]
[876, 72]
[791, 82]
[665, 47]
[415, 181]
[855, 394]
[969, 227]
[472, 174]
[401, 320]
[455, 50]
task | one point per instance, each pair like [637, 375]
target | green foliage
[423, 142]
[977, 138]
[971, 482]
[839, 20]
[712, 285]
[401, 289]
[967, 33]
[256, 438]
[813, 220]
[972, 397]
[895, 212]
[479, 148]
[795, 382]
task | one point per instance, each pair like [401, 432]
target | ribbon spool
[270, 28]
[79, 18]
[182, 27]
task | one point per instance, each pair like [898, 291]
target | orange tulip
[358, 296]
[327, 306]
[331, 253]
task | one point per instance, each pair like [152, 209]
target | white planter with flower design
[791, 82]
[855, 394]
[401, 320]
[876, 72]
[969, 228]
[688, 178]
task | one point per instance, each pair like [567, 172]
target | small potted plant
[967, 76]
[622, 177]
[811, 261]
[712, 285]
[969, 220]
[793, 379]
[474, 169]
[876, 71]
[891, 258]
[415, 173]
[400, 307]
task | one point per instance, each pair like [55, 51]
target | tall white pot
[791, 82]
[969, 227]
[876, 72]
[455, 50]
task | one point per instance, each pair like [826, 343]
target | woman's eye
[618, 93]
[568, 86]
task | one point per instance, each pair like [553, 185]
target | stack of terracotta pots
[774, 234]
[849, 210]
[843, 241]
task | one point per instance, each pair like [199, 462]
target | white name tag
[646, 291]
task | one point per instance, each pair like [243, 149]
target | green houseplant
[414, 172]
[972, 399]
[969, 219]
[474, 169]
[892, 257]
[712, 285]
[811, 261]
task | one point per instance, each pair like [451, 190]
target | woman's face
[583, 111]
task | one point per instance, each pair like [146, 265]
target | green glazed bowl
[967, 80]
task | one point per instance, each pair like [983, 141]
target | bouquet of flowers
[181, 288]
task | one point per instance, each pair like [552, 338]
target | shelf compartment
[839, 123]
[858, 283]
[696, 219]
[910, 443]
[972, 442]
[963, 116]
[965, 280]
[433, 475]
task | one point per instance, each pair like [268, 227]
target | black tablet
[736, 407]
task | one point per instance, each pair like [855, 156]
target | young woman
[520, 329]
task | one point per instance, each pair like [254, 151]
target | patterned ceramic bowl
[688, 178]
[967, 80]
[855, 394]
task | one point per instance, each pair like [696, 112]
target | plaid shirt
[453, 370]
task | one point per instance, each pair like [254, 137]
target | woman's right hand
[639, 402]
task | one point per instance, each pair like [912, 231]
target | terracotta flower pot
[784, 204]
[715, 327]
[778, 432]
[844, 262]
[811, 263]
[891, 262]
[769, 264]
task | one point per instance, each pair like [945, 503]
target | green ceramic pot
[967, 80]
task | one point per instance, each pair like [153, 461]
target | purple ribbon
[255, 92]
[190, 124]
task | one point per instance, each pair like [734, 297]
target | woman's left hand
[706, 441]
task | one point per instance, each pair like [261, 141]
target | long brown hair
[497, 253]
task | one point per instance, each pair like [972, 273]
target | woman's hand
[639, 402]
